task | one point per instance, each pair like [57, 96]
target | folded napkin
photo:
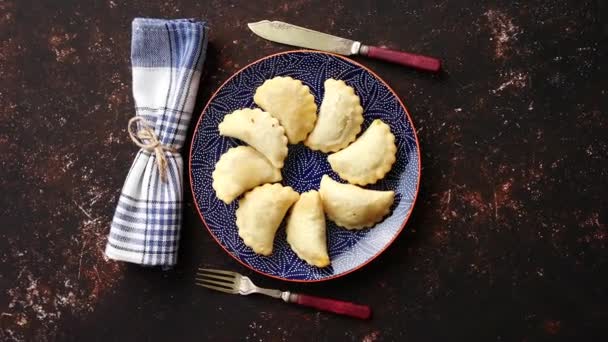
[166, 56]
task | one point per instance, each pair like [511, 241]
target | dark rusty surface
[508, 238]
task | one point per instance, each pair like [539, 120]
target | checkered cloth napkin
[166, 56]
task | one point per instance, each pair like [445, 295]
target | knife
[280, 32]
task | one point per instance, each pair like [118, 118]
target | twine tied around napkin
[153, 145]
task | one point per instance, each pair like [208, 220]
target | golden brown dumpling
[291, 102]
[240, 169]
[258, 129]
[340, 118]
[306, 230]
[260, 213]
[353, 207]
[369, 158]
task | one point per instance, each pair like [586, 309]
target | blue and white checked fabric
[167, 56]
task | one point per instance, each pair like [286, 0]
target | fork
[234, 283]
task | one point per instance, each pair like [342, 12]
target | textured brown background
[508, 238]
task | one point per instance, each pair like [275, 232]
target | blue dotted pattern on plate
[304, 167]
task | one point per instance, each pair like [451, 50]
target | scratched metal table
[508, 238]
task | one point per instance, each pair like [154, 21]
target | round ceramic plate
[348, 250]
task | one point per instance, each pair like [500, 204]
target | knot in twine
[153, 144]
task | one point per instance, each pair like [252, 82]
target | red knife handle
[404, 58]
[332, 305]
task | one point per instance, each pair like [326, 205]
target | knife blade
[281, 32]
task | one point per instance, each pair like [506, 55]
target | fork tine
[213, 276]
[217, 288]
[216, 282]
[226, 282]
[211, 270]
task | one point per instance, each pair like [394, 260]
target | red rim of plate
[407, 217]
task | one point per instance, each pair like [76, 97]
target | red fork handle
[404, 58]
[332, 305]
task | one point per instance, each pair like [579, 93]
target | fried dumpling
[369, 158]
[239, 169]
[291, 102]
[340, 118]
[306, 230]
[258, 129]
[260, 213]
[353, 207]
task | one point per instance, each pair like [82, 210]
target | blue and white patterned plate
[348, 250]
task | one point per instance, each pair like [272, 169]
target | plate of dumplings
[304, 166]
